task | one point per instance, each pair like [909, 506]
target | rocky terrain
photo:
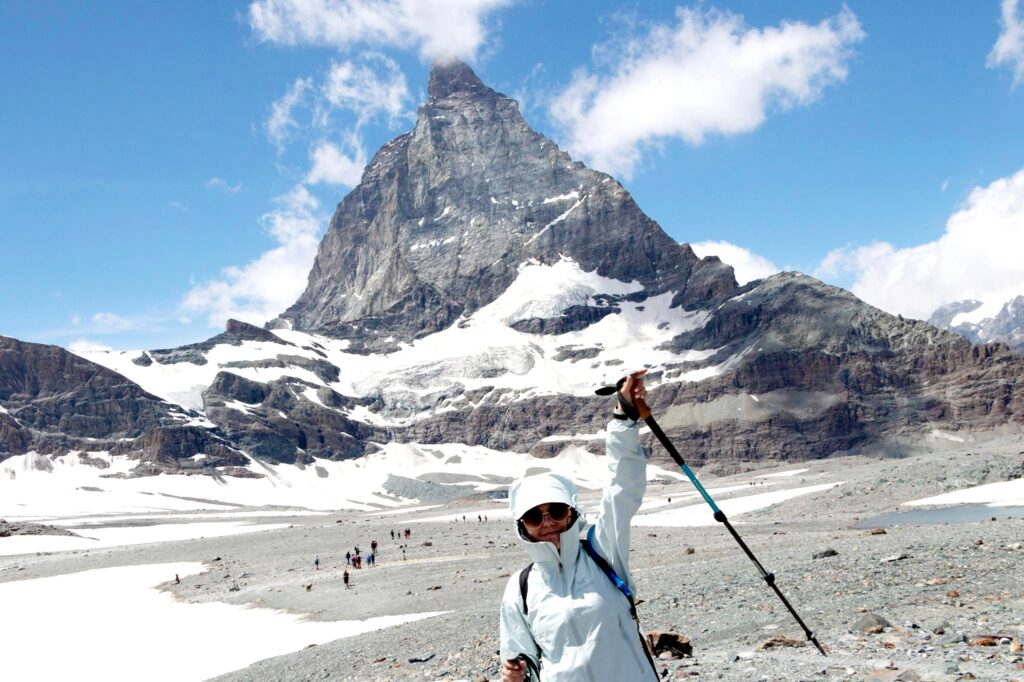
[928, 602]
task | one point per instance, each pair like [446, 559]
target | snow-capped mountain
[979, 322]
[474, 289]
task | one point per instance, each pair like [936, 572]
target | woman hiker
[563, 616]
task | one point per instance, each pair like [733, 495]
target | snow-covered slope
[987, 321]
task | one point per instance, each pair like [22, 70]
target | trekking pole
[642, 411]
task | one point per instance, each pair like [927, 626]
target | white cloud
[87, 345]
[747, 265]
[333, 166]
[708, 74]
[263, 288]
[437, 29]
[1009, 47]
[358, 88]
[977, 257]
[177, 206]
[281, 122]
[224, 185]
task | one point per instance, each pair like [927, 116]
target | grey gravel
[713, 596]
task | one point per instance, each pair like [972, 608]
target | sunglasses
[556, 511]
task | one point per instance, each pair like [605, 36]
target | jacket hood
[525, 494]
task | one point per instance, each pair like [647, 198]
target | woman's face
[546, 522]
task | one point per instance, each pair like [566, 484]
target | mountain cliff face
[446, 214]
[475, 288]
[54, 402]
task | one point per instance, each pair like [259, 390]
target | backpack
[588, 546]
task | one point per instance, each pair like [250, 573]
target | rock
[952, 594]
[1016, 647]
[951, 638]
[870, 623]
[824, 553]
[894, 557]
[671, 643]
[877, 531]
[777, 642]
[983, 640]
[421, 659]
[938, 627]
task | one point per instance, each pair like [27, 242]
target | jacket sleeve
[622, 496]
[515, 631]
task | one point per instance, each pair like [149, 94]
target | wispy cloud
[261, 289]
[746, 264]
[224, 185]
[707, 74]
[1009, 47]
[281, 123]
[436, 29]
[177, 206]
[977, 257]
[112, 323]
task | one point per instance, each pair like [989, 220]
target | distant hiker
[348, 558]
[463, 518]
[177, 580]
[485, 518]
[357, 550]
[369, 559]
[403, 552]
[344, 577]
[479, 519]
[392, 534]
[407, 533]
[316, 562]
[373, 546]
[561, 611]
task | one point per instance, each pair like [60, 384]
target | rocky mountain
[968, 319]
[446, 214]
[55, 402]
[474, 289]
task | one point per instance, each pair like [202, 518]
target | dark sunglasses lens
[533, 517]
[558, 511]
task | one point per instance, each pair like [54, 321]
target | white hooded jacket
[578, 624]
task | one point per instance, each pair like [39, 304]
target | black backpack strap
[524, 586]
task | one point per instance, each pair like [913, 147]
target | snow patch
[555, 221]
[1001, 494]
[120, 609]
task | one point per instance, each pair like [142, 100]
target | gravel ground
[939, 588]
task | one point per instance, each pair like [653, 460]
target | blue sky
[167, 165]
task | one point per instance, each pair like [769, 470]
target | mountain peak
[450, 77]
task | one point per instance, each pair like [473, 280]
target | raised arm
[627, 482]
